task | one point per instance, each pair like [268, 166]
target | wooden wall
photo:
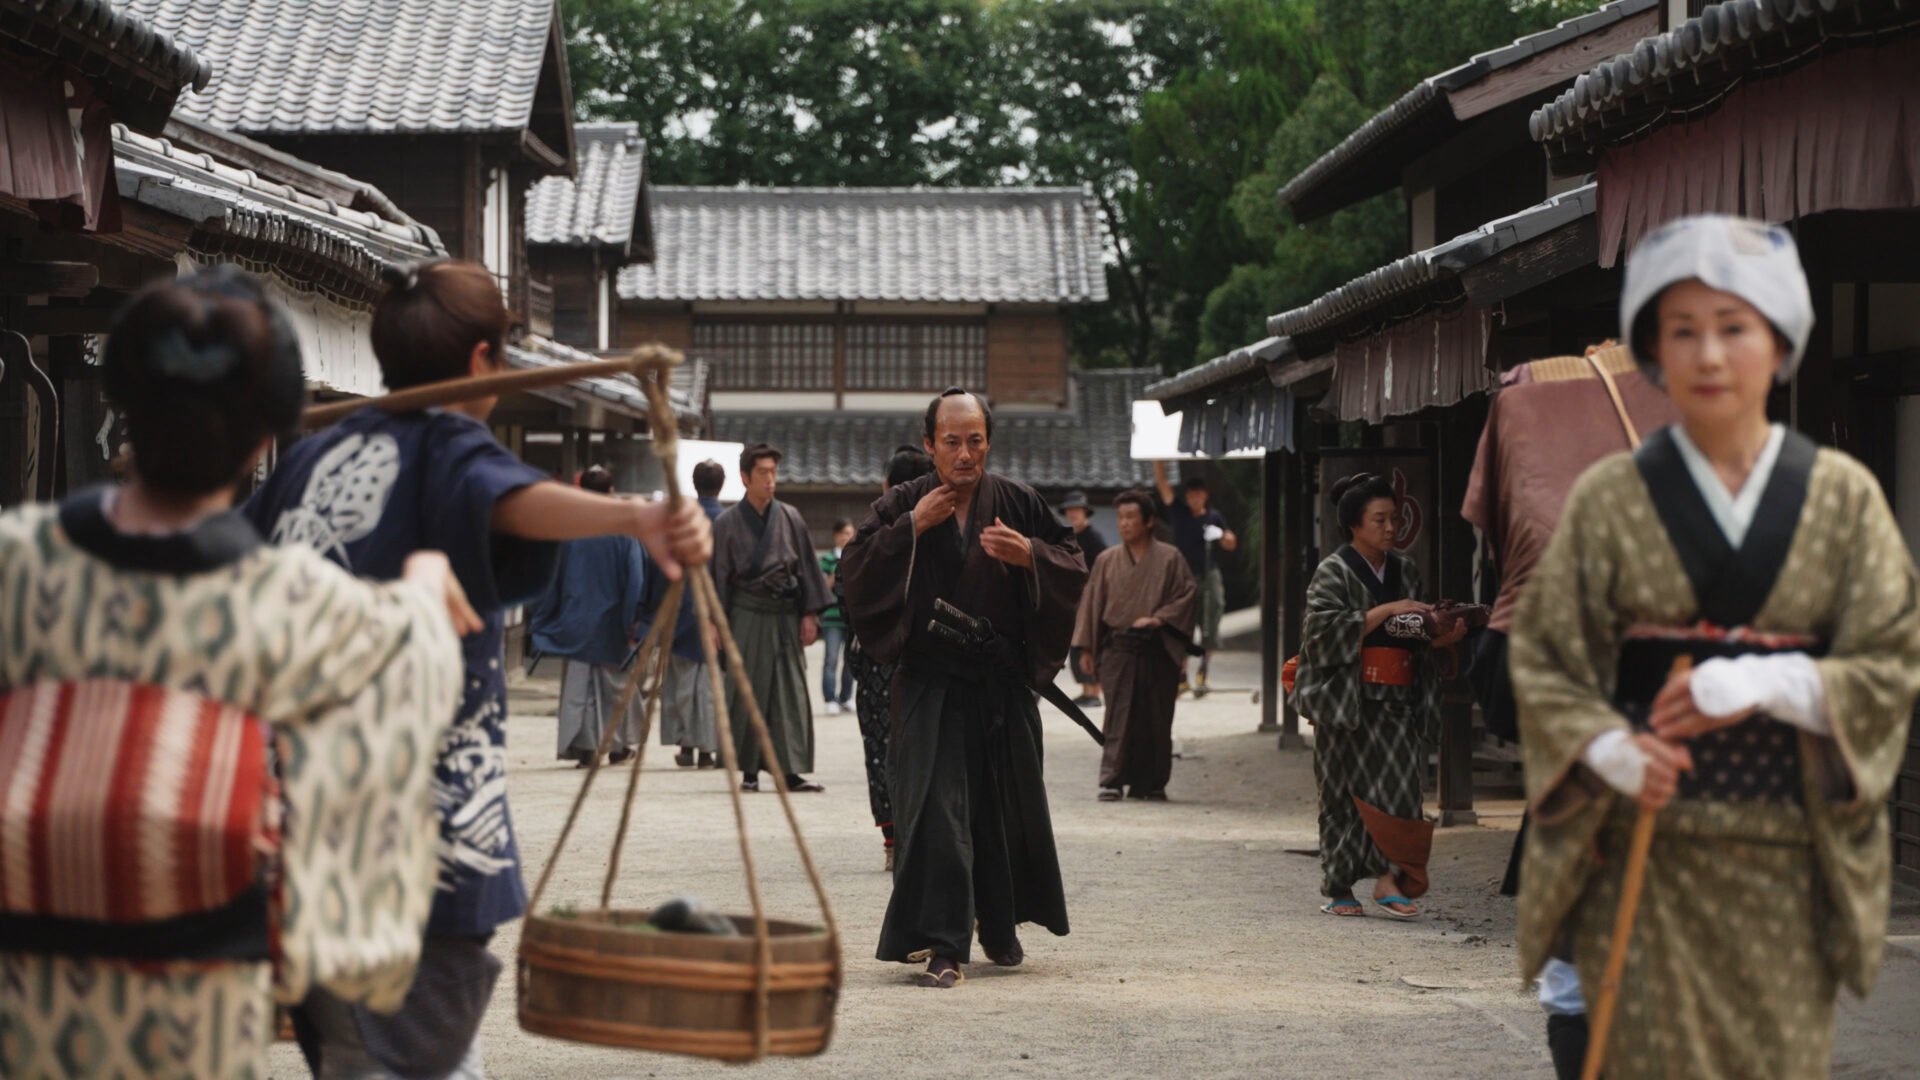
[424, 176]
[673, 329]
[574, 275]
[1027, 359]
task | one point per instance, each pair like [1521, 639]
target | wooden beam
[1296, 558]
[1272, 554]
[1548, 69]
[1303, 370]
[1531, 265]
[21, 278]
[56, 321]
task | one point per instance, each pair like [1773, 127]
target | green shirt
[835, 615]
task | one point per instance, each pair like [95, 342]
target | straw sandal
[941, 974]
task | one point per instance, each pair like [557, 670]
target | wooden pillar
[1297, 559]
[1272, 553]
[1454, 439]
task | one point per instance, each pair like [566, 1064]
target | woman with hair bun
[1367, 682]
[160, 879]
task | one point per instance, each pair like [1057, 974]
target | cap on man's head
[1194, 482]
[1075, 500]
[752, 454]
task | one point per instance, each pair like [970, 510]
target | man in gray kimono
[772, 588]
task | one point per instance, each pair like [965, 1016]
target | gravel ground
[1197, 951]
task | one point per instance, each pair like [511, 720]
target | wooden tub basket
[591, 977]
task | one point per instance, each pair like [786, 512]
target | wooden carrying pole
[473, 387]
[1631, 885]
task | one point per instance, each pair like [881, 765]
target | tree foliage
[1183, 117]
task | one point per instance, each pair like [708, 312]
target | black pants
[1567, 1042]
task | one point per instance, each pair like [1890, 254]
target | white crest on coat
[346, 494]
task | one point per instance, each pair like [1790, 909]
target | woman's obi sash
[137, 823]
[1754, 761]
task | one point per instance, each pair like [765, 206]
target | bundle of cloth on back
[974, 835]
[770, 582]
[588, 618]
[1778, 569]
[203, 737]
[1135, 621]
[1367, 678]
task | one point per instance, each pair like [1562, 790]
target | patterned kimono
[153, 890]
[1768, 882]
[1373, 715]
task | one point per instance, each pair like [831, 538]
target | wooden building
[583, 229]
[1796, 111]
[156, 196]
[829, 317]
[454, 118]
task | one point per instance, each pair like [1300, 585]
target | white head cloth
[1750, 259]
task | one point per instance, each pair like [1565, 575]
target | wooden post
[1454, 440]
[1272, 553]
[1295, 561]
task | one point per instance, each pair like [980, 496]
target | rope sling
[585, 977]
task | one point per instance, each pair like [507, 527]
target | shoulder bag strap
[1619, 405]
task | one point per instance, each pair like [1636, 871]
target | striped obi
[136, 822]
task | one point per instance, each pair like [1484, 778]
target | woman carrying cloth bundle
[1725, 630]
[1367, 681]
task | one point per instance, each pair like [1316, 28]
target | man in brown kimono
[773, 591]
[974, 837]
[1135, 621]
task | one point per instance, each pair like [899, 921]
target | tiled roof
[321, 243]
[330, 66]
[620, 392]
[954, 245]
[1689, 68]
[1406, 277]
[1239, 366]
[1369, 160]
[1088, 446]
[115, 46]
[600, 206]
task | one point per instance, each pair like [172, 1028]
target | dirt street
[1197, 948]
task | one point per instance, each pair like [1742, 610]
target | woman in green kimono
[1365, 679]
[1777, 569]
[160, 876]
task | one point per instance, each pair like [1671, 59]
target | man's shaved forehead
[956, 408]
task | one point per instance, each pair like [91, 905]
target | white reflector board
[1156, 436]
[694, 451]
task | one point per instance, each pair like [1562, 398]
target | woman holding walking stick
[1724, 636]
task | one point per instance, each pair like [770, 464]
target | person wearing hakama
[1136, 617]
[873, 681]
[773, 591]
[974, 837]
[588, 620]
[1777, 569]
[1367, 680]
[687, 716]
[187, 720]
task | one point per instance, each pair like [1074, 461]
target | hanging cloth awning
[1424, 362]
[1256, 417]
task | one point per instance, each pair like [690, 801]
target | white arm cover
[1785, 686]
[1619, 762]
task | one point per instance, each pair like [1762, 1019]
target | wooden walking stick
[1601, 1024]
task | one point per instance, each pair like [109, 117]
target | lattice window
[916, 356]
[767, 355]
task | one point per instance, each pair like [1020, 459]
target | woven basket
[772, 988]
[586, 979]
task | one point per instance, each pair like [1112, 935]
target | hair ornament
[174, 356]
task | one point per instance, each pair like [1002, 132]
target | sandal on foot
[684, 758]
[749, 786]
[801, 783]
[1009, 957]
[1346, 907]
[1383, 901]
[941, 974]
[1109, 794]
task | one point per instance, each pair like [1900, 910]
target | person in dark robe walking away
[686, 708]
[1092, 542]
[771, 585]
[974, 835]
[587, 619]
[1135, 621]
[873, 681]
[1197, 529]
